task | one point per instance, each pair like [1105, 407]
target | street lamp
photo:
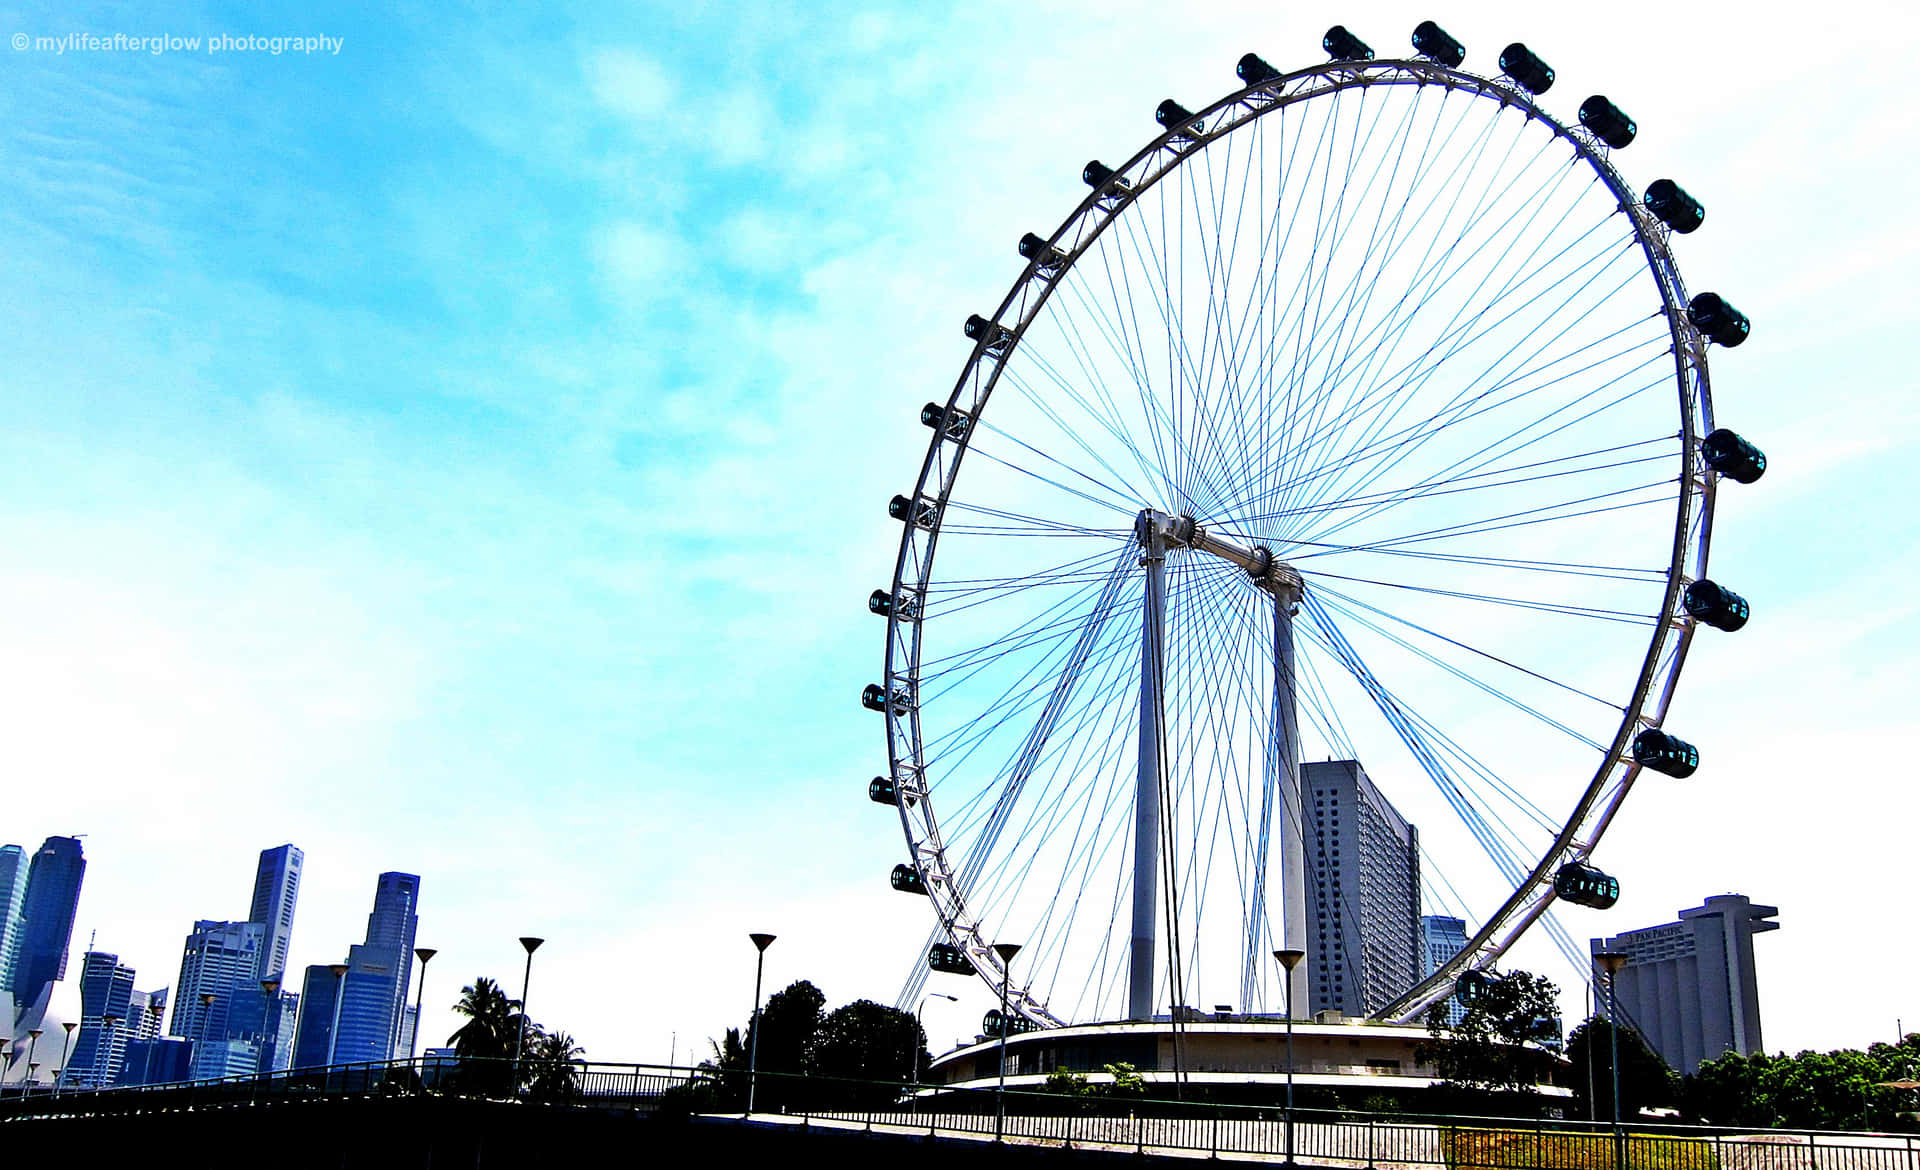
[102, 1067]
[420, 997]
[915, 1100]
[269, 1023]
[1289, 959]
[339, 973]
[760, 942]
[1006, 951]
[531, 945]
[206, 1037]
[33, 1041]
[1613, 961]
[69, 1025]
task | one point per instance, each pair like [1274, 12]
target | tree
[1493, 1056]
[491, 1024]
[1645, 1079]
[553, 1068]
[1842, 1089]
[486, 1041]
[789, 1031]
[867, 1041]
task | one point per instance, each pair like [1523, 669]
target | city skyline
[442, 453]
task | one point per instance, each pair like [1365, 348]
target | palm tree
[554, 1074]
[487, 1038]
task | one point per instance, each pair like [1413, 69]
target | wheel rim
[1041, 441]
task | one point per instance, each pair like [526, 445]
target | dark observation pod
[1032, 247]
[1713, 316]
[1733, 457]
[1253, 70]
[875, 698]
[1432, 41]
[993, 1023]
[1101, 177]
[1584, 885]
[1716, 605]
[1677, 209]
[906, 879]
[880, 602]
[1471, 984]
[1665, 753]
[952, 422]
[1171, 114]
[978, 328]
[1342, 45]
[1528, 71]
[880, 790]
[948, 959]
[1606, 121]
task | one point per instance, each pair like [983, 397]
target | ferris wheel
[1361, 416]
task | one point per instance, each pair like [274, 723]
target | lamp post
[339, 973]
[101, 1067]
[65, 1045]
[1006, 951]
[420, 997]
[531, 945]
[915, 1100]
[269, 1023]
[33, 1041]
[1288, 960]
[1613, 961]
[760, 942]
[153, 1042]
[202, 1056]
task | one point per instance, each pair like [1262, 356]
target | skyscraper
[52, 899]
[276, 887]
[13, 900]
[1441, 938]
[376, 990]
[106, 1021]
[1363, 943]
[221, 960]
[1689, 986]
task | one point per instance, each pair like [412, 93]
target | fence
[1338, 1139]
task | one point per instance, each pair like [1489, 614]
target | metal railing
[1342, 1139]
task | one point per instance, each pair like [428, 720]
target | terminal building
[1688, 987]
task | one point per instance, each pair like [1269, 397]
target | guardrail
[1342, 1139]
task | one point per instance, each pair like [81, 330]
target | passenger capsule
[1171, 114]
[1101, 177]
[1432, 41]
[1471, 984]
[875, 698]
[1584, 885]
[1528, 71]
[881, 791]
[1342, 45]
[880, 602]
[1606, 121]
[1733, 457]
[1032, 247]
[952, 422]
[1677, 209]
[1665, 753]
[948, 959]
[1716, 605]
[978, 328]
[993, 1023]
[1713, 316]
[1253, 70]
[907, 880]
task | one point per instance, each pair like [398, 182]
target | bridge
[442, 1113]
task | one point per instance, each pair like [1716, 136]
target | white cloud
[630, 84]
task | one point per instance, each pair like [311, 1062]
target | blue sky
[465, 453]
